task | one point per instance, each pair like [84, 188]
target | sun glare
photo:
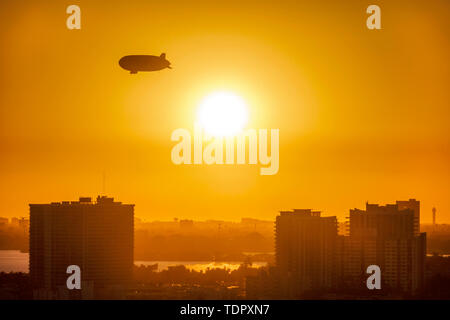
[222, 114]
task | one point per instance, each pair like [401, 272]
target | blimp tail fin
[163, 55]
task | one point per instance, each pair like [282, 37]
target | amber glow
[222, 114]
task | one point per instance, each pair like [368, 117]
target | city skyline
[313, 260]
[314, 256]
[434, 214]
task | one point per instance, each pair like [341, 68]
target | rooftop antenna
[434, 216]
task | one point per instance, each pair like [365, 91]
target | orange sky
[363, 115]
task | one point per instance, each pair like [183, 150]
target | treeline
[182, 275]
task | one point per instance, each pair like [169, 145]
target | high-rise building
[96, 236]
[385, 236]
[305, 251]
[311, 256]
[382, 221]
[414, 205]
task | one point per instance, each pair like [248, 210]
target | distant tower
[434, 216]
[104, 183]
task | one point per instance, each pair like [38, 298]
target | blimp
[137, 63]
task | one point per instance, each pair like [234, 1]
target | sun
[222, 114]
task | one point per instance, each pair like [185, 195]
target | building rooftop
[84, 201]
[301, 212]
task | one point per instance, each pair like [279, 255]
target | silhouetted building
[312, 260]
[384, 236]
[305, 251]
[186, 223]
[96, 236]
[382, 222]
[22, 223]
